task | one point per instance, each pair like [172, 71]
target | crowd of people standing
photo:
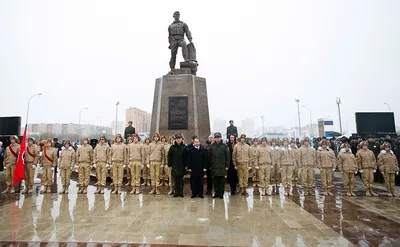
[164, 161]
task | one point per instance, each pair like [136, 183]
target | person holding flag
[47, 163]
[31, 158]
[10, 162]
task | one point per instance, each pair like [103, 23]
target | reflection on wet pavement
[357, 219]
[235, 221]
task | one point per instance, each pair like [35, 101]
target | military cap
[387, 145]
[16, 139]
[363, 143]
[32, 139]
[217, 134]
[345, 145]
[178, 136]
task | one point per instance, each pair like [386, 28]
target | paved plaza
[161, 220]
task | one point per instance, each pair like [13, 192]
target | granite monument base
[181, 106]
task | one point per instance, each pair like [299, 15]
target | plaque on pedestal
[181, 106]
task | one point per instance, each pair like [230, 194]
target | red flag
[19, 168]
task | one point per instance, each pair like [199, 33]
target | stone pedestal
[181, 106]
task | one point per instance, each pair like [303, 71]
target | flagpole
[25, 130]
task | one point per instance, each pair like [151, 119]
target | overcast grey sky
[257, 57]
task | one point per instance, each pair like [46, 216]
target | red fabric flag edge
[19, 168]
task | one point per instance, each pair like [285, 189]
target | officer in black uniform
[129, 131]
[375, 148]
[231, 130]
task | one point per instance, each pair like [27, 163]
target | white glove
[52, 168]
[41, 168]
[391, 152]
[161, 166]
[355, 172]
[397, 173]
[383, 151]
[249, 168]
[361, 171]
[40, 153]
[91, 167]
[69, 148]
[383, 173]
[277, 148]
[124, 166]
[33, 166]
[236, 167]
[62, 148]
[272, 166]
[333, 169]
[257, 167]
[94, 165]
[76, 167]
[319, 148]
[283, 149]
[141, 166]
[374, 170]
[343, 150]
[280, 169]
[107, 166]
[204, 170]
[148, 165]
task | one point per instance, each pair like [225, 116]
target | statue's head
[177, 15]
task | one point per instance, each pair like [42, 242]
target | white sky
[257, 57]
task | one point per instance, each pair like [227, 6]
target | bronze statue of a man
[176, 38]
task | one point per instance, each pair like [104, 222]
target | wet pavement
[161, 220]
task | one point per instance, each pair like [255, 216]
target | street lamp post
[338, 102]
[262, 124]
[298, 113]
[79, 130]
[311, 128]
[387, 106]
[116, 117]
[27, 111]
